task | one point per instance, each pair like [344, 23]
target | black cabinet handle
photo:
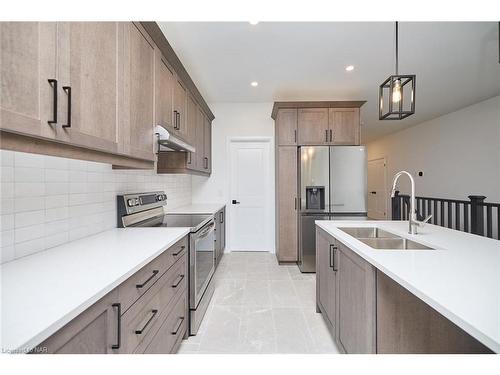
[295, 203]
[330, 256]
[180, 251]
[331, 135]
[178, 325]
[140, 331]
[373, 192]
[295, 135]
[139, 286]
[119, 326]
[326, 135]
[53, 83]
[221, 217]
[67, 89]
[176, 284]
[334, 265]
[205, 162]
[234, 201]
[189, 157]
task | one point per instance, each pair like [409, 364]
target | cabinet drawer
[140, 282]
[144, 318]
[170, 334]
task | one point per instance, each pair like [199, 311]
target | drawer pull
[53, 83]
[175, 285]
[178, 326]
[139, 286]
[140, 331]
[180, 251]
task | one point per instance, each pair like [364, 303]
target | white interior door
[250, 196]
[377, 192]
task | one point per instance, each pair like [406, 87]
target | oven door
[201, 262]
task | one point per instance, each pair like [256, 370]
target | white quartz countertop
[461, 279]
[44, 291]
[197, 209]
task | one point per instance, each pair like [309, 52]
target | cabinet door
[95, 331]
[325, 276]
[27, 62]
[344, 126]
[207, 146]
[356, 304]
[287, 246]
[286, 127]
[180, 108]
[164, 92]
[312, 126]
[90, 55]
[139, 83]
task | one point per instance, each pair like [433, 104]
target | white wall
[47, 201]
[232, 120]
[459, 153]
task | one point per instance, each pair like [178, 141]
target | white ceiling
[456, 63]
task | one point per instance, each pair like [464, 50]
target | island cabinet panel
[95, 331]
[286, 230]
[27, 63]
[356, 301]
[326, 276]
[312, 126]
[286, 127]
[343, 124]
[407, 325]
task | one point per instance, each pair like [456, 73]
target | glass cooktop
[195, 222]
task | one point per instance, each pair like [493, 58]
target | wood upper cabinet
[312, 126]
[27, 62]
[286, 127]
[356, 302]
[180, 108]
[90, 69]
[326, 277]
[286, 230]
[95, 331]
[139, 90]
[164, 92]
[207, 144]
[344, 126]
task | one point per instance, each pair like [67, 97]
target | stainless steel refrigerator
[332, 187]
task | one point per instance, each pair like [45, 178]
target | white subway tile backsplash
[48, 201]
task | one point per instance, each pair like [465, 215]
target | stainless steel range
[146, 210]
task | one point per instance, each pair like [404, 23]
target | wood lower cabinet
[27, 63]
[343, 125]
[144, 314]
[286, 204]
[286, 127]
[312, 126]
[220, 234]
[356, 301]
[326, 278]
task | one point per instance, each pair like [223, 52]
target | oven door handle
[206, 231]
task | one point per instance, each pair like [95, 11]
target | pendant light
[397, 93]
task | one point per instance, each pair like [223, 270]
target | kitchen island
[459, 277]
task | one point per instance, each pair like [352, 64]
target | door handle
[326, 135]
[295, 204]
[331, 135]
[119, 326]
[221, 217]
[53, 83]
[373, 192]
[234, 201]
[67, 89]
[295, 135]
[330, 256]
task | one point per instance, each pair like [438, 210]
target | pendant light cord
[397, 72]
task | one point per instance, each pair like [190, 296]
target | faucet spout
[412, 222]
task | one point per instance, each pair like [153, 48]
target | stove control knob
[130, 202]
[136, 201]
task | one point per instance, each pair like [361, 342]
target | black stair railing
[473, 216]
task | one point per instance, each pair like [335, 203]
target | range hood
[169, 142]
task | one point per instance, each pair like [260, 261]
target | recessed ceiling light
[349, 68]
[254, 83]
[253, 22]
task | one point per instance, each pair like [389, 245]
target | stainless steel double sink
[380, 239]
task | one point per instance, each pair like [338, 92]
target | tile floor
[261, 307]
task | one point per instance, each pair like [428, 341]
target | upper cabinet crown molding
[316, 104]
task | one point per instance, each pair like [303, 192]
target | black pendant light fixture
[397, 94]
